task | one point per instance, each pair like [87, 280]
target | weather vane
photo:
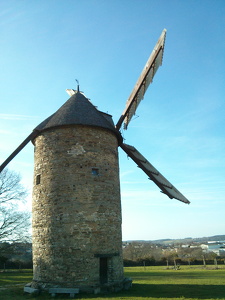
[78, 88]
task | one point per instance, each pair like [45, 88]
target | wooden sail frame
[143, 82]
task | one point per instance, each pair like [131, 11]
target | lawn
[153, 283]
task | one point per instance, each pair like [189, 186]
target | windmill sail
[165, 186]
[18, 149]
[146, 77]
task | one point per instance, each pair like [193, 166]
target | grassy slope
[152, 283]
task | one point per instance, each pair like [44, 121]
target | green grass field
[152, 283]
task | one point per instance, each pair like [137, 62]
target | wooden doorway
[103, 270]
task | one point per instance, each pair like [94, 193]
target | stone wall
[76, 208]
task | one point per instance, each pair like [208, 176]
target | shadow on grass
[177, 291]
[137, 291]
[165, 291]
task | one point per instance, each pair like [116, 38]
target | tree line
[150, 254]
[14, 218]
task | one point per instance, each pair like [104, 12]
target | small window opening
[95, 171]
[38, 179]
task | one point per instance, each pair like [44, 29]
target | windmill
[77, 240]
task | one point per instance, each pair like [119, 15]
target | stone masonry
[77, 209]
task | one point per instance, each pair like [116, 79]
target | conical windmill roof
[78, 110]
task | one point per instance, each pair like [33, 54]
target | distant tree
[157, 254]
[213, 257]
[14, 222]
[142, 253]
[190, 254]
[133, 251]
[174, 257]
[168, 256]
[186, 255]
[15, 255]
[21, 255]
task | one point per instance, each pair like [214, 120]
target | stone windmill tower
[76, 198]
[77, 239]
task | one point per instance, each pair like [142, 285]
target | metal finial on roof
[78, 87]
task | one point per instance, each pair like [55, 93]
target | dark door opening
[103, 270]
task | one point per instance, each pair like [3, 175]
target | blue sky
[46, 45]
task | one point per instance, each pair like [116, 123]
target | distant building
[218, 247]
